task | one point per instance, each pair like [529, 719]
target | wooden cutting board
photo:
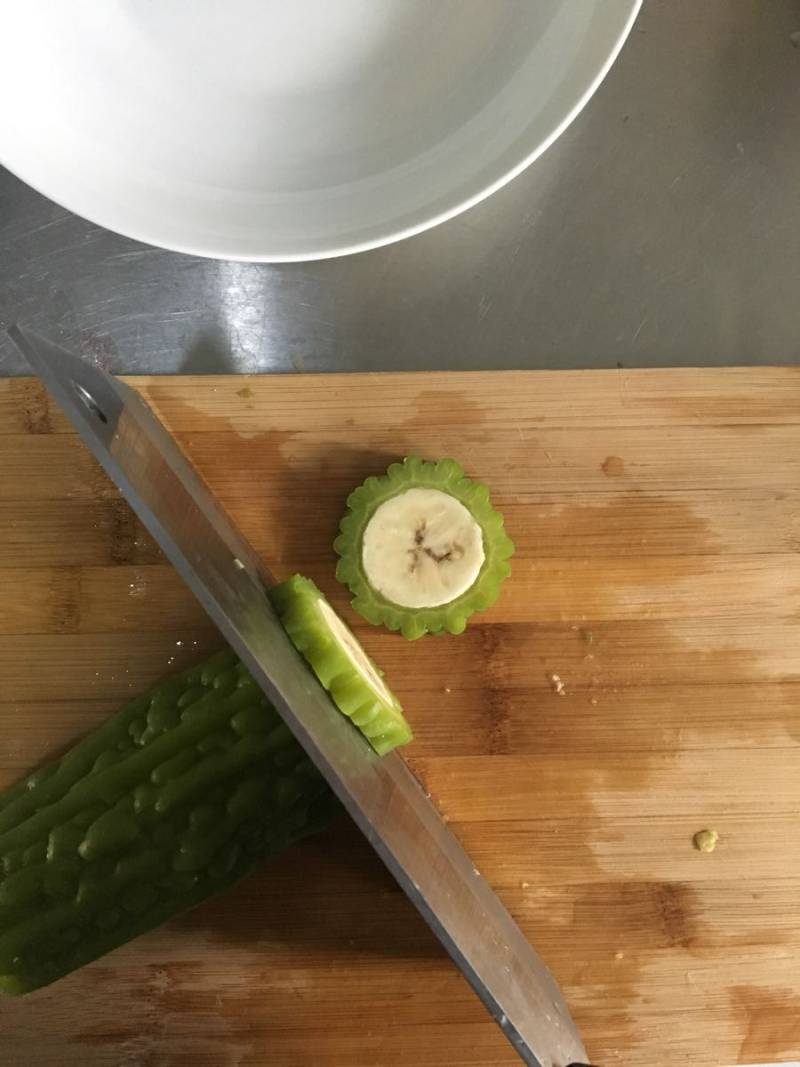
[657, 522]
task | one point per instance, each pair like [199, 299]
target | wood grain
[657, 521]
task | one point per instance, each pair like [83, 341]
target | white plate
[283, 130]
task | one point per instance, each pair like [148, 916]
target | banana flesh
[422, 548]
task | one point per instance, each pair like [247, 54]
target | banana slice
[421, 548]
[335, 655]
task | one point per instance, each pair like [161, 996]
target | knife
[381, 794]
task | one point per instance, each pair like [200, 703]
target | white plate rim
[313, 255]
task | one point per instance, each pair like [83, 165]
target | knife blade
[381, 794]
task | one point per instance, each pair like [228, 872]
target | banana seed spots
[454, 551]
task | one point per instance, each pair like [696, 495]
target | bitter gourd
[336, 656]
[421, 548]
[177, 796]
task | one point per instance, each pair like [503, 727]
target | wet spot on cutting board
[613, 466]
[445, 407]
[498, 723]
[675, 909]
[770, 1022]
[635, 523]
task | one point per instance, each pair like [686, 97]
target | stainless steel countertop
[662, 228]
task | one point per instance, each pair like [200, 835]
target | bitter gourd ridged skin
[375, 711]
[177, 796]
[447, 476]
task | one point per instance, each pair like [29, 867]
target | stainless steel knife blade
[382, 795]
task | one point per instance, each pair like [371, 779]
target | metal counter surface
[662, 228]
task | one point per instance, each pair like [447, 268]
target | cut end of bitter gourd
[340, 663]
[421, 548]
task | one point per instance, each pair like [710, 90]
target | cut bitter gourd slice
[176, 797]
[421, 548]
[340, 663]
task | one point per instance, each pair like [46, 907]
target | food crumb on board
[447, 689]
[706, 840]
[558, 685]
[619, 955]
[593, 700]
[238, 564]
[138, 587]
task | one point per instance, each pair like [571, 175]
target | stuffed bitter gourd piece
[421, 548]
[177, 796]
[340, 663]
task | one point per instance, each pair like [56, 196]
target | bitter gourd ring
[421, 548]
[340, 663]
